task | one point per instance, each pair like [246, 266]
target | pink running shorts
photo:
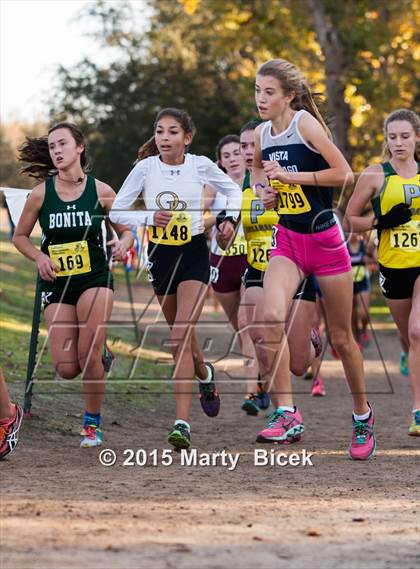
[323, 253]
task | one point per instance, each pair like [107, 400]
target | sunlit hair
[293, 81]
[36, 154]
[402, 115]
[149, 148]
[227, 139]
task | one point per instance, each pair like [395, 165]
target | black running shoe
[209, 395]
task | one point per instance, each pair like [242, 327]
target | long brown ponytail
[36, 154]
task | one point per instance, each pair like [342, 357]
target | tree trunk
[338, 110]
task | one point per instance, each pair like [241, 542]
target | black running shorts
[254, 277]
[170, 265]
[68, 290]
[398, 284]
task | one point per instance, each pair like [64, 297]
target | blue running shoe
[263, 400]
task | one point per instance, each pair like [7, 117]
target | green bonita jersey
[72, 234]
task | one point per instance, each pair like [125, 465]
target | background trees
[362, 55]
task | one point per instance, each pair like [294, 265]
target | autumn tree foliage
[361, 55]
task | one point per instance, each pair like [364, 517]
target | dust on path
[62, 509]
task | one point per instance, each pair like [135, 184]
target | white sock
[209, 375]
[284, 408]
[182, 422]
[361, 417]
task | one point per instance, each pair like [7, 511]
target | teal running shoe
[404, 363]
[250, 405]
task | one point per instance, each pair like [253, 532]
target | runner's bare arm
[368, 184]
[21, 239]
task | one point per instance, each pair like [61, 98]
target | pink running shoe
[363, 441]
[318, 389]
[283, 427]
[9, 433]
[316, 341]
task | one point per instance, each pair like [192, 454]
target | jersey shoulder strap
[388, 169]
[247, 180]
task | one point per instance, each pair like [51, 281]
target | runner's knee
[275, 316]
[67, 370]
[342, 340]
[414, 334]
[297, 365]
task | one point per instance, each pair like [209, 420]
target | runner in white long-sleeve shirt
[170, 182]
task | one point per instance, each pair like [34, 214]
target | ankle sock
[290, 409]
[182, 422]
[209, 376]
[363, 417]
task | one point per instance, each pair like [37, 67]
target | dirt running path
[62, 509]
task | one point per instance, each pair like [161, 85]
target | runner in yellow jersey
[228, 266]
[394, 189]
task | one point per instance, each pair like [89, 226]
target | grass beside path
[17, 292]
